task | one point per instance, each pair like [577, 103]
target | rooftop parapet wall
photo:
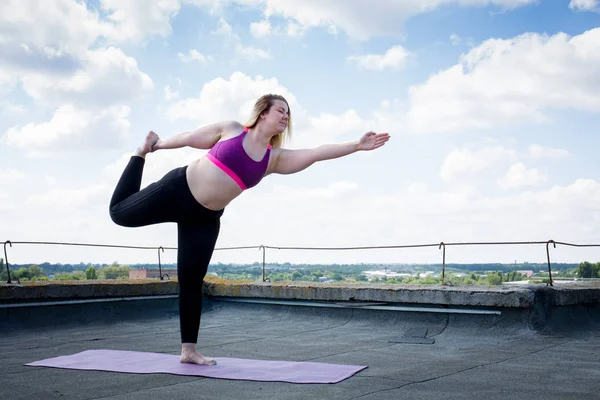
[504, 296]
[89, 289]
[499, 296]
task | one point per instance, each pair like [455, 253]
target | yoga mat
[226, 368]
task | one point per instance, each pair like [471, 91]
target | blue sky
[493, 107]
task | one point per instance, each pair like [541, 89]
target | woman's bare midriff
[210, 186]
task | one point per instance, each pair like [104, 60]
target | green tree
[3, 272]
[495, 279]
[114, 271]
[35, 272]
[78, 276]
[22, 274]
[585, 270]
[91, 273]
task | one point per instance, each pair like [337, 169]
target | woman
[195, 196]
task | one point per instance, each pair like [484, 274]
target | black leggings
[170, 200]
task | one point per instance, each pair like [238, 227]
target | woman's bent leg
[130, 181]
[132, 207]
[196, 243]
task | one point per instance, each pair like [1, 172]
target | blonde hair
[264, 104]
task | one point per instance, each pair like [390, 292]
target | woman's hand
[372, 140]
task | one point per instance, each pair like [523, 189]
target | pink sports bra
[230, 156]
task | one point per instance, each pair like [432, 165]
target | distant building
[143, 273]
[528, 274]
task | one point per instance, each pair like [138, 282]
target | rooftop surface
[500, 351]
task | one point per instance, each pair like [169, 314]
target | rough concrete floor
[473, 357]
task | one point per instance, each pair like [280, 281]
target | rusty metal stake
[442, 244]
[6, 259]
[548, 255]
[159, 265]
[264, 278]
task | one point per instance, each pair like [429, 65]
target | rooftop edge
[504, 296]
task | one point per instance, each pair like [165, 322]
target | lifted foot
[146, 147]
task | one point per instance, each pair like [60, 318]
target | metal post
[548, 256]
[443, 245]
[264, 278]
[159, 265]
[6, 259]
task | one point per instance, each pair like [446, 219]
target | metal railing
[440, 245]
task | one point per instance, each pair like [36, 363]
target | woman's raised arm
[292, 161]
[204, 137]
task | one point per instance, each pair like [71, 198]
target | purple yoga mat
[226, 368]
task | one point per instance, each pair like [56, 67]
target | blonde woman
[195, 196]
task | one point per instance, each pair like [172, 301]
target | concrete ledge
[40, 291]
[568, 296]
[482, 296]
[505, 296]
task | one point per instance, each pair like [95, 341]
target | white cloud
[518, 176]
[232, 98]
[513, 80]
[357, 19]
[248, 53]
[108, 76]
[536, 151]
[170, 94]
[294, 30]
[72, 128]
[348, 216]
[394, 57]
[36, 39]
[331, 191]
[260, 29]
[23, 23]
[134, 20]
[195, 55]
[455, 39]
[10, 108]
[585, 5]
[362, 21]
[6, 205]
[326, 127]
[10, 176]
[467, 163]
[224, 29]
[70, 199]
[251, 53]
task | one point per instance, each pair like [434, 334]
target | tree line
[456, 273]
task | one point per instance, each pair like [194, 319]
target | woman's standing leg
[196, 243]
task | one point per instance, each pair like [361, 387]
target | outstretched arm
[292, 161]
[201, 138]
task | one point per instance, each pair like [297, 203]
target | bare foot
[193, 357]
[146, 147]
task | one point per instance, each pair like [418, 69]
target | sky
[493, 107]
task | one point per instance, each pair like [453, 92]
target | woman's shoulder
[232, 128]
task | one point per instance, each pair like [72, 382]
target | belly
[210, 185]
